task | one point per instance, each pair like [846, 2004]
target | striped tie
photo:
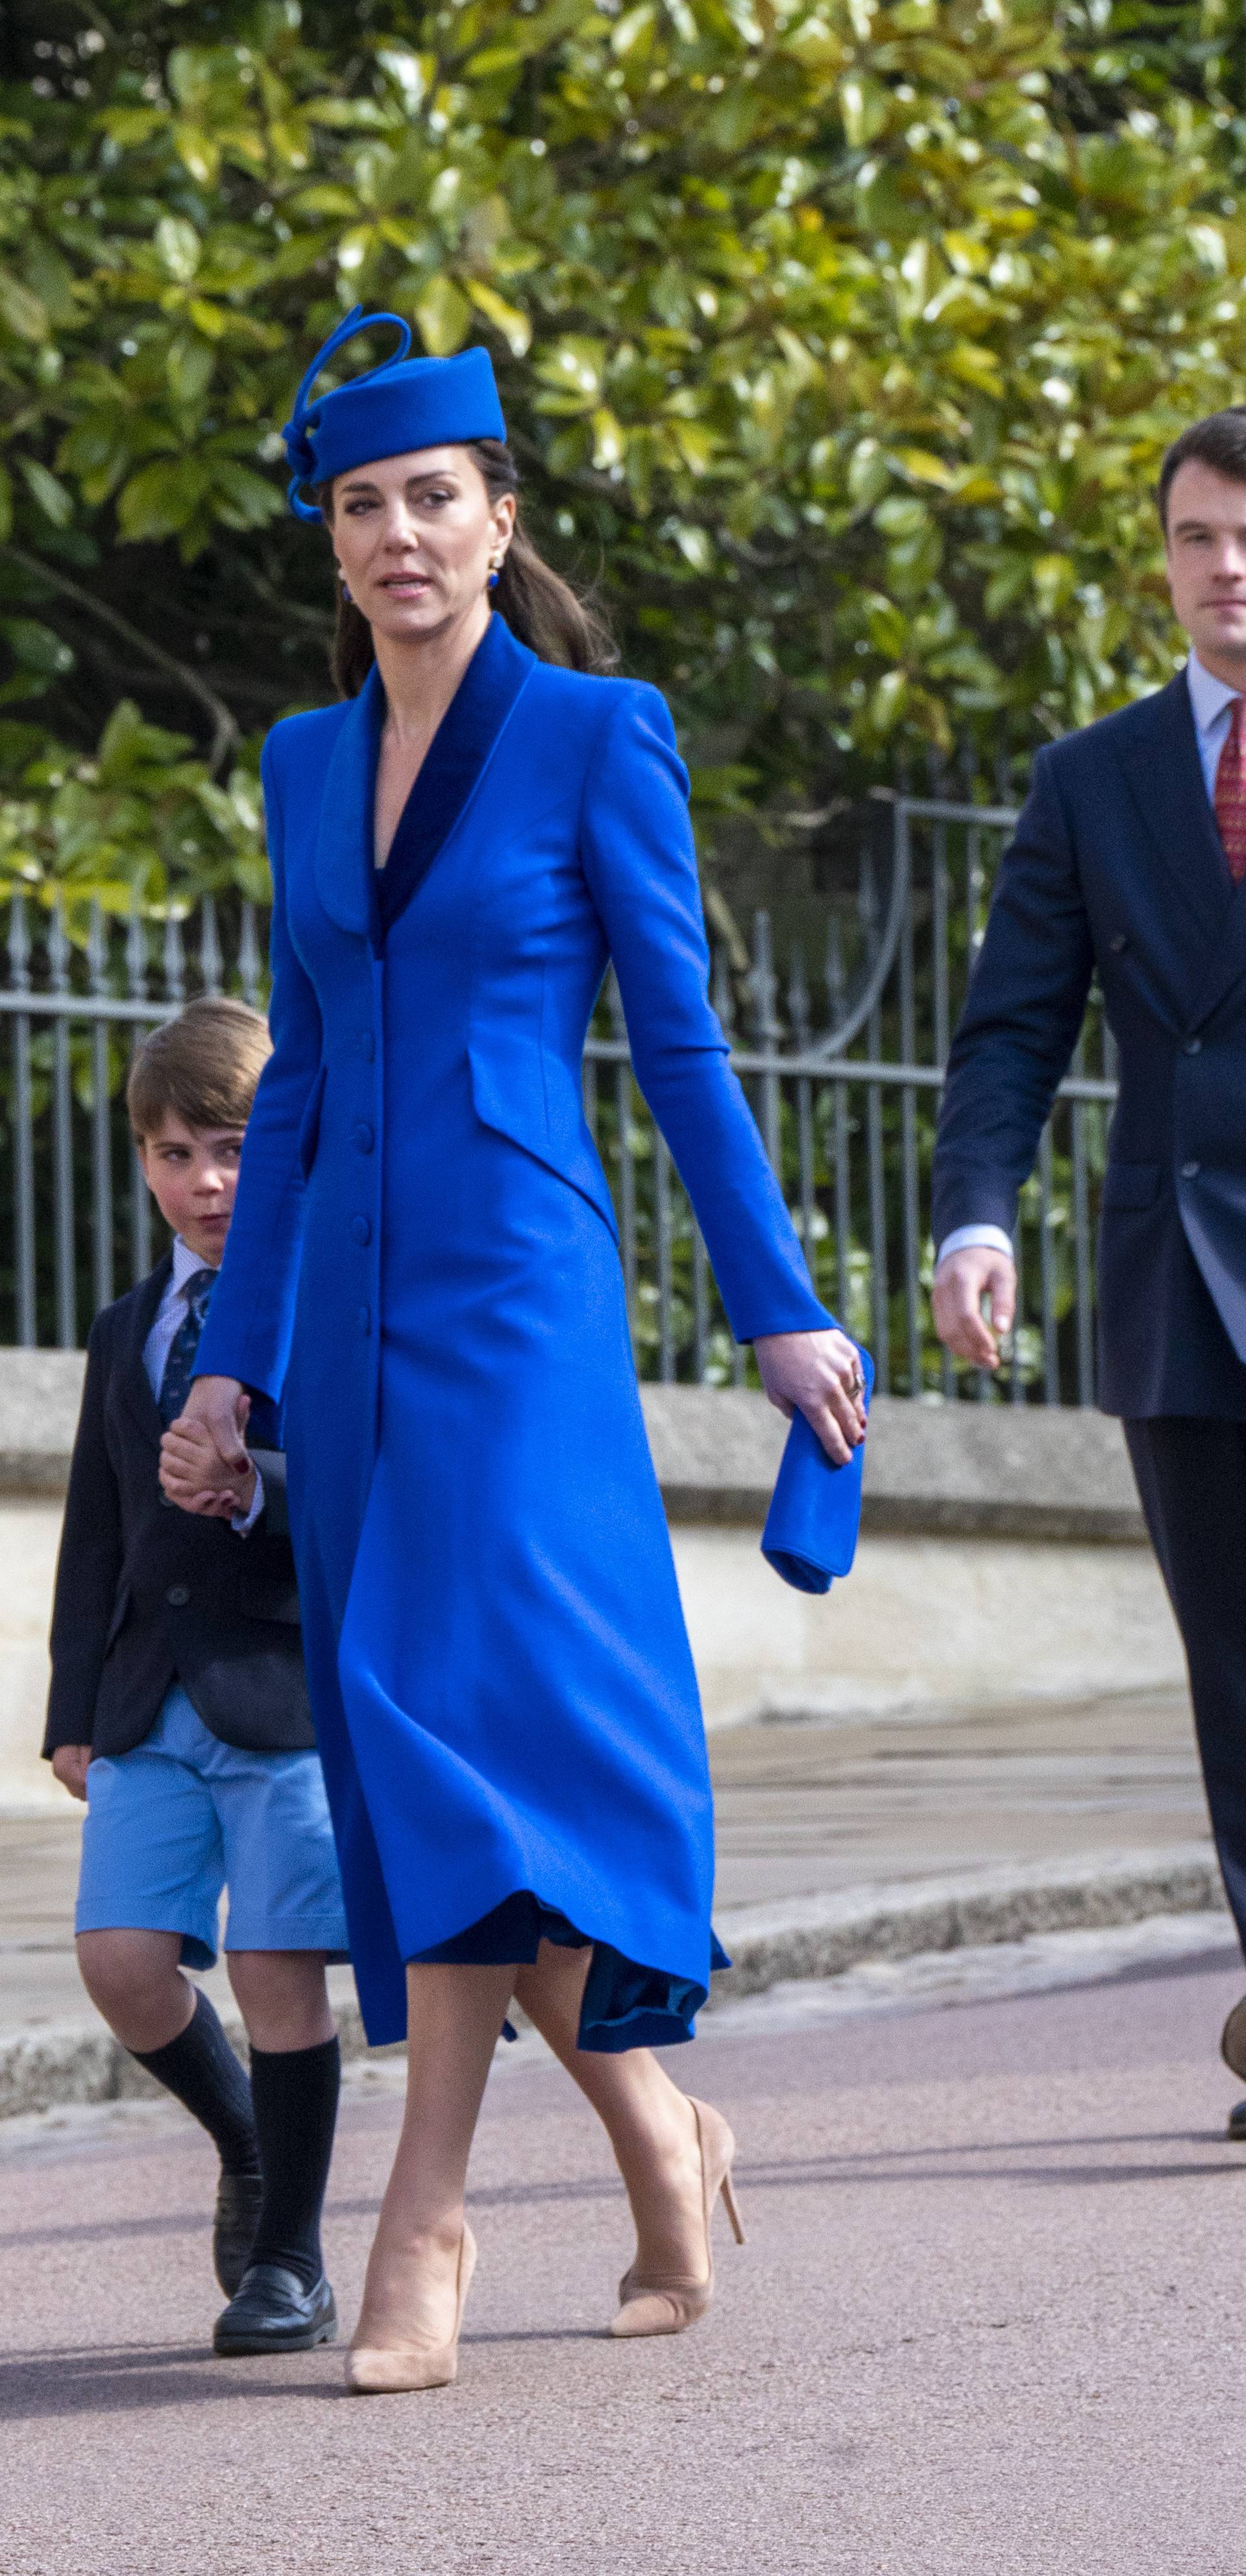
[1230, 797]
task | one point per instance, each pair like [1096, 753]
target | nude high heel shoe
[660, 2303]
[372, 2370]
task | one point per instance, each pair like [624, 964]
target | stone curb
[821, 1937]
[53, 2063]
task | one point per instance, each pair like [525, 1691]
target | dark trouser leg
[1191, 1478]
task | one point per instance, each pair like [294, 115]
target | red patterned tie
[1230, 797]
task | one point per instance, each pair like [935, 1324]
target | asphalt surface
[988, 2319]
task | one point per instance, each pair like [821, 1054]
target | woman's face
[414, 536]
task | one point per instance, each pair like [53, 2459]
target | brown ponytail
[539, 607]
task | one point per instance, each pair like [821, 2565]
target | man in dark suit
[1128, 863]
[179, 1711]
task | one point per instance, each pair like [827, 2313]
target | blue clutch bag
[815, 1511]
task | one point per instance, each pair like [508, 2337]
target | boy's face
[192, 1173]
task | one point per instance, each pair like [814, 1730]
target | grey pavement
[986, 2324]
[806, 1813]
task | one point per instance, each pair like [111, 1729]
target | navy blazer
[146, 1596]
[1117, 870]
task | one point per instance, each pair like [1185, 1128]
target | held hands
[204, 1464]
[960, 1284]
[69, 1766]
[819, 1375]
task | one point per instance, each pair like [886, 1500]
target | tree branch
[225, 731]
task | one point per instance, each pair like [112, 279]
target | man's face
[192, 1173]
[1206, 549]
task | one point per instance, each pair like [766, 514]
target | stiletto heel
[375, 2370]
[727, 2188]
[661, 2303]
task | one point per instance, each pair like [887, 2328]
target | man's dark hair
[1218, 441]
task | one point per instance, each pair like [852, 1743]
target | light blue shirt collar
[1210, 703]
[185, 1265]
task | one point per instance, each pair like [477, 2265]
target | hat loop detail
[299, 449]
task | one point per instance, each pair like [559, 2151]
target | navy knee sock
[295, 2094]
[200, 2067]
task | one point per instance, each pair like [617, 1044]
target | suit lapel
[133, 1376]
[344, 845]
[1159, 762]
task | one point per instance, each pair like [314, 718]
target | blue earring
[345, 591]
[495, 566]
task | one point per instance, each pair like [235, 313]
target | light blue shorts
[183, 1817]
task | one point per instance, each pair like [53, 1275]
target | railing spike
[174, 961]
[249, 958]
[210, 960]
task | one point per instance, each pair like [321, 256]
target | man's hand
[960, 1284]
[69, 1766]
[196, 1477]
[819, 1375]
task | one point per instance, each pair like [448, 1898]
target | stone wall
[1002, 1556]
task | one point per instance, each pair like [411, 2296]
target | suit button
[365, 1137]
[1118, 942]
[1194, 1046]
[177, 1596]
[1190, 1171]
[367, 1045]
[361, 1229]
[365, 1319]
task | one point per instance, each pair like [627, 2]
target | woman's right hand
[221, 1405]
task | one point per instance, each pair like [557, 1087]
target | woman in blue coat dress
[423, 1268]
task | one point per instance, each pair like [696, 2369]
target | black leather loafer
[1236, 2125]
[273, 2312]
[238, 2198]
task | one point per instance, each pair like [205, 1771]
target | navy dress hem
[625, 2005]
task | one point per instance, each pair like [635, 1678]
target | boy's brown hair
[203, 1066]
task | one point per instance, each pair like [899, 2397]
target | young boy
[177, 1676]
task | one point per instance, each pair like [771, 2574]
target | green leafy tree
[840, 339]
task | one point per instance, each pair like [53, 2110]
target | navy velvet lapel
[454, 765]
[344, 833]
[1160, 763]
[138, 1323]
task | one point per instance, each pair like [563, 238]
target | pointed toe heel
[391, 2370]
[667, 2303]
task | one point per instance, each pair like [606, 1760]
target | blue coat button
[365, 1319]
[361, 1229]
[1190, 1171]
[177, 1596]
[365, 1137]
[1194, 1046]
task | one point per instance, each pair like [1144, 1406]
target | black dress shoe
[1236, 2127]
[273, 2312]
[1233, 2040]
[238, 2198]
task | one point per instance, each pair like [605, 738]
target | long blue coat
[423, 1265]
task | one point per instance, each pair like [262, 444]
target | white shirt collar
[1208, 696]
[185, 1265]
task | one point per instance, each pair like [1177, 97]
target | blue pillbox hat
[403, 404]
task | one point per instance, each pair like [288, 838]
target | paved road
[802, 1811]
[988, 2320]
